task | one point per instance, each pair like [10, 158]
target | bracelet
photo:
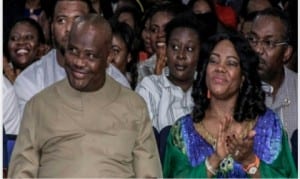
[254, 164]
[226, 164]
[210, 168]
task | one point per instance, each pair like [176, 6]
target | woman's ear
[129, 57]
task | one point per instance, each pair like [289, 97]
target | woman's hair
[126, 33]
[185, 20]
[210, 3]
[136, 14]
[251, 99]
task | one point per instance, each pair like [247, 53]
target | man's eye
[61, 20]
[91, 56]
[269, 43]
[73, 51]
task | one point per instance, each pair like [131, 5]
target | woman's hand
[221, 146]
[161, 59]
[241, 149]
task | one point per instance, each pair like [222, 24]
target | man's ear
[287, 54]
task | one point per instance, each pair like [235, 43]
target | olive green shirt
[68, 133]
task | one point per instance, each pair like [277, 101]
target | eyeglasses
[266, 44]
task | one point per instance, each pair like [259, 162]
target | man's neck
[276, 82]
[60, 58]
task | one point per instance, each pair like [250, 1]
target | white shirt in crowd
[11, 114]
[166, 102]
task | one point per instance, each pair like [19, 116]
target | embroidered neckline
[212, 140]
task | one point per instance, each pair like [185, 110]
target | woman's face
[146, 37]
[23, 44]
[127, 18]
[201, 7]
[223, 73]
[183, 54]
[120, 55]
[157, 29]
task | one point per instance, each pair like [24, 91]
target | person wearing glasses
[270, 38]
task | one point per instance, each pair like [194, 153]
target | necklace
[212, 140]
[206, 135]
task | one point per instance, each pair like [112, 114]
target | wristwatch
[252, 168]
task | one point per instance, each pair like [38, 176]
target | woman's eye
[14, 38]
[212, 60]
[232, 62]
[189, 49]
[175, 47]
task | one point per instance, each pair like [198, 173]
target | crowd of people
[131, 88]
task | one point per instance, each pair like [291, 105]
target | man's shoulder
[49, 93]
[290, 74]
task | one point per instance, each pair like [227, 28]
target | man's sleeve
[146, 156]
[25, 158]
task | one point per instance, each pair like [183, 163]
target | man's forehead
[71, 7]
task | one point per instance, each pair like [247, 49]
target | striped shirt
[166, 102]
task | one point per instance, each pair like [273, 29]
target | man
[269, 37]
[49, 69]
[86, 125]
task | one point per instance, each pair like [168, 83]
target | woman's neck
[220, 109]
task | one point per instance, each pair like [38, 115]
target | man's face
[266, 30]
[86, 57]
[64, 15]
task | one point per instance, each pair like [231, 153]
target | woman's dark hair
[173, 8]
[185, 20]
[251, 99]
[210, 3]
[136, 14]
[41, 37]
[126, 33]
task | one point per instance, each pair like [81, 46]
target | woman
[26, 44]
[161, 15]
[230, 132]
[124, 53]
[168, 96]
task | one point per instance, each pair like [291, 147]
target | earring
[208, 94]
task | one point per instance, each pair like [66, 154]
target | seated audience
[230, 133]
[168, 96]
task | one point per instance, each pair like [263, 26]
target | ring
[236, 153]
